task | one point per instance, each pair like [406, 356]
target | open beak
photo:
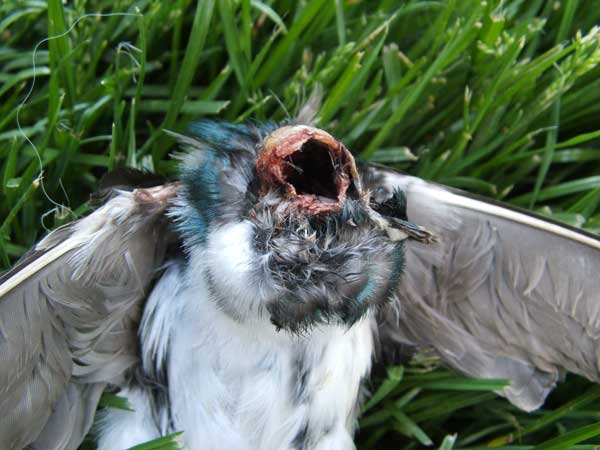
[316, 172]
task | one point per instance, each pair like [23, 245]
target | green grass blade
[570, 438]
[191, 58]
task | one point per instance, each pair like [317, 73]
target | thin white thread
[128, 48]
[278, 100]
[46, 214]
[62, 187]
[40, 178]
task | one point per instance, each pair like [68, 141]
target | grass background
[497, 97]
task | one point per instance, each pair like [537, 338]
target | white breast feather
[232, 384]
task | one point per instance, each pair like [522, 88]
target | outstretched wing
[503, 294]
[68, 315]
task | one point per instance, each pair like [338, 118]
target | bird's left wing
[68, 316]
[502, 294]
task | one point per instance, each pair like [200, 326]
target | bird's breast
[247, 386]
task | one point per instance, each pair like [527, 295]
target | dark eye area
[395, 206]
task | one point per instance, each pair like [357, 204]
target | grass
[497, 97]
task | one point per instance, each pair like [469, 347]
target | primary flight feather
[242, 304]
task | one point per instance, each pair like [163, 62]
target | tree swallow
[243, 303]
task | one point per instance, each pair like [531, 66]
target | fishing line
[278, 100]
[40, 178]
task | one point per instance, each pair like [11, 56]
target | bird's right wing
[502, 294]
[68, 318]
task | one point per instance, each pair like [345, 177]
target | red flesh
[273, 160]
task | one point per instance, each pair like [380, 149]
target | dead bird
[243, 303]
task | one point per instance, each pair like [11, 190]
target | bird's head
[280, 224]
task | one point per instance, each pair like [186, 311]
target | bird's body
[242, 386]
[242, 304]
[240, 377]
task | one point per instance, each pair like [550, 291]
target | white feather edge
[38, 264]
[420, 188]
[450, 198]
[112, 211]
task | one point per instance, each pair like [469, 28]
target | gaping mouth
[315, 171]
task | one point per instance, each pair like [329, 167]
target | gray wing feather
[68, 319]
[504, 294]
[71, 418]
